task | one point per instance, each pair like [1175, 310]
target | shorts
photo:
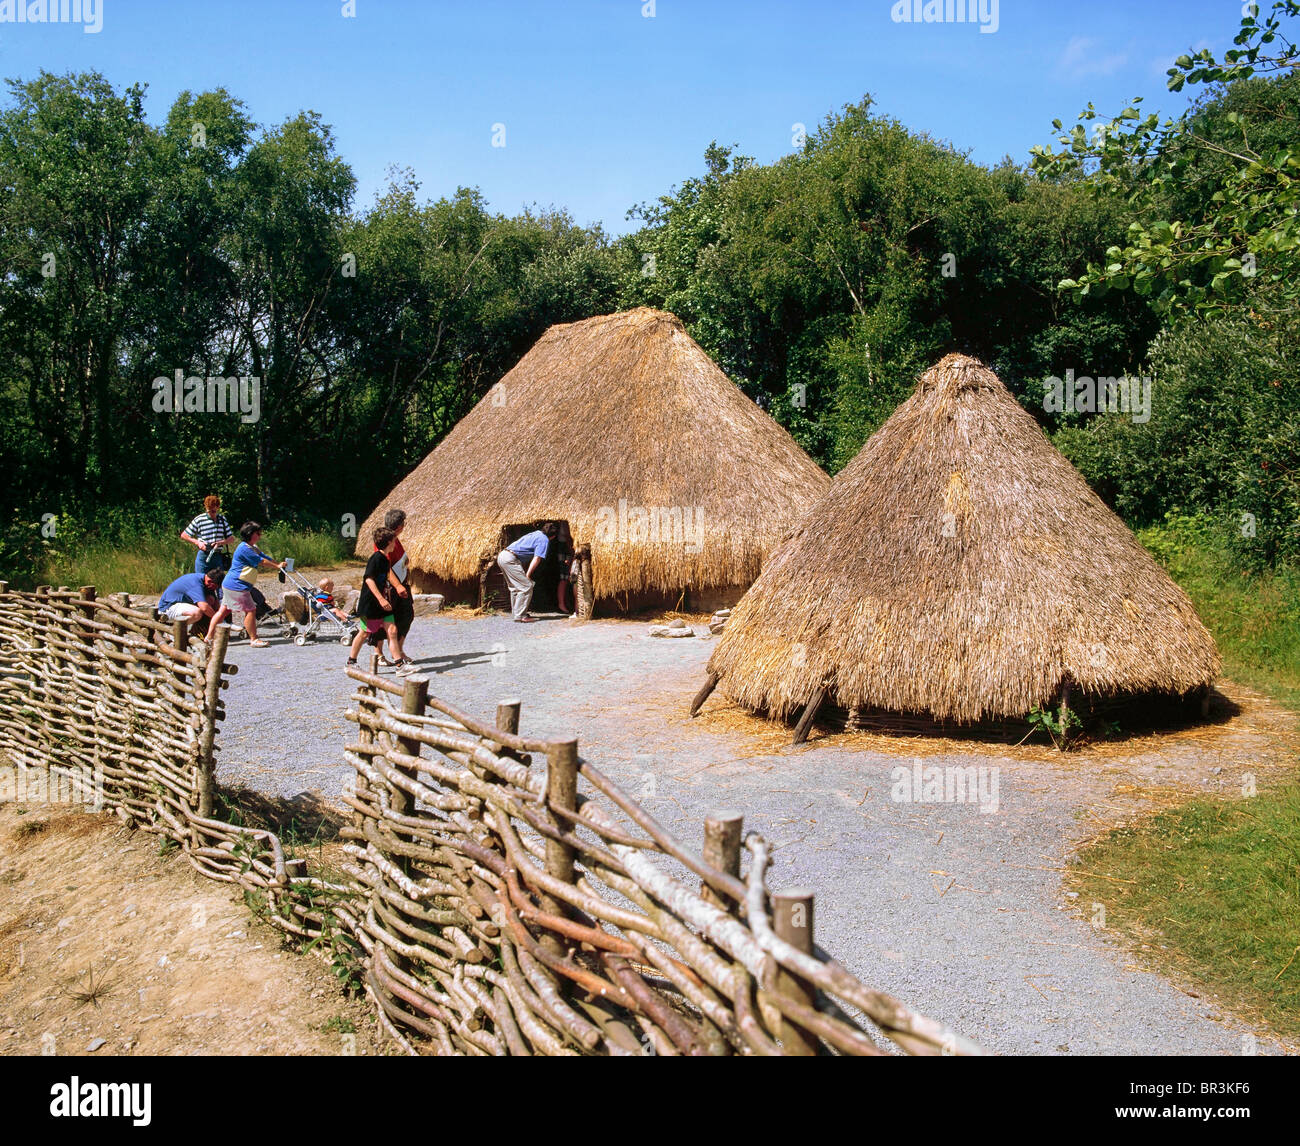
[238, 600]
[182, 611]
[374, 624]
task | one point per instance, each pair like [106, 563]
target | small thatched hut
[623, 427]
[959, 567]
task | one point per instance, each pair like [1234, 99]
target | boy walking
[375, 608]
[399, 589]
[403, 606]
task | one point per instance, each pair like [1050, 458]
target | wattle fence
[504, 896]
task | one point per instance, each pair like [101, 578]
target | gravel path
[961, 913]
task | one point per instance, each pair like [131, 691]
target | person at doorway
[564, 571]
[531, 548]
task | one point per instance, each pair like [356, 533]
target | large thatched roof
[623, 426]
[959, 566]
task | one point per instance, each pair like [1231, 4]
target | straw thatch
[622, 426]
[959, 566]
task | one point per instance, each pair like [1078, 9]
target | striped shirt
[203, 528]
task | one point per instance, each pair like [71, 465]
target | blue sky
[605, 107]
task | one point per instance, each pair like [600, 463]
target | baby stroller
[312, 619]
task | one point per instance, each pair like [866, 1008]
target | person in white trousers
[532, 547]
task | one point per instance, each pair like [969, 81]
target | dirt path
[108, 947]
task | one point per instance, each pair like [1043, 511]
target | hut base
[469, 592]
[453, 592]
[706, 600]
[1103, 717]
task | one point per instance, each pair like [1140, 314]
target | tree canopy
[823, 283]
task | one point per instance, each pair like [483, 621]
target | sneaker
[352, 662]
[406, 667]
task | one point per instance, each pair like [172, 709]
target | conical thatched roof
[959, 566]
[623, 426]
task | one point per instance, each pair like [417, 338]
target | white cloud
[1084, 56]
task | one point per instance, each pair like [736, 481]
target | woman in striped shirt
[209, 533]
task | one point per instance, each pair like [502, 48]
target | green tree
[287, 258]
[77, 167]
[1214, 193]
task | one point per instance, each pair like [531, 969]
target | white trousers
[521, 588]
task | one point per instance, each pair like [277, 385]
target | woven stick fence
[102, 694]
[515, 909]
[503, 907]
[125, 710]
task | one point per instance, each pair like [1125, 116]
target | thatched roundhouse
[623, 427]
[959, 568]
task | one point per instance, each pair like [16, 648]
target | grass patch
[151, 560]
[307, 547]
[148, 566]
[29, 828]
[340, 1023]
[1253, 616]
[1220, 882]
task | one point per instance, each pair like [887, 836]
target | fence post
[508, 715]
[41, 638]
[415, 694]
[561, 792]
[792, 920]
[214, 660]
[508, 721]
[722, 832]
[87, 594]
[366, 735]
[181, 635]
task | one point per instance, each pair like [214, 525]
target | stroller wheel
[345, 639]
[300, 640]
[292, 630]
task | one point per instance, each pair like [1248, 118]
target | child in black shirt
[375, 607]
